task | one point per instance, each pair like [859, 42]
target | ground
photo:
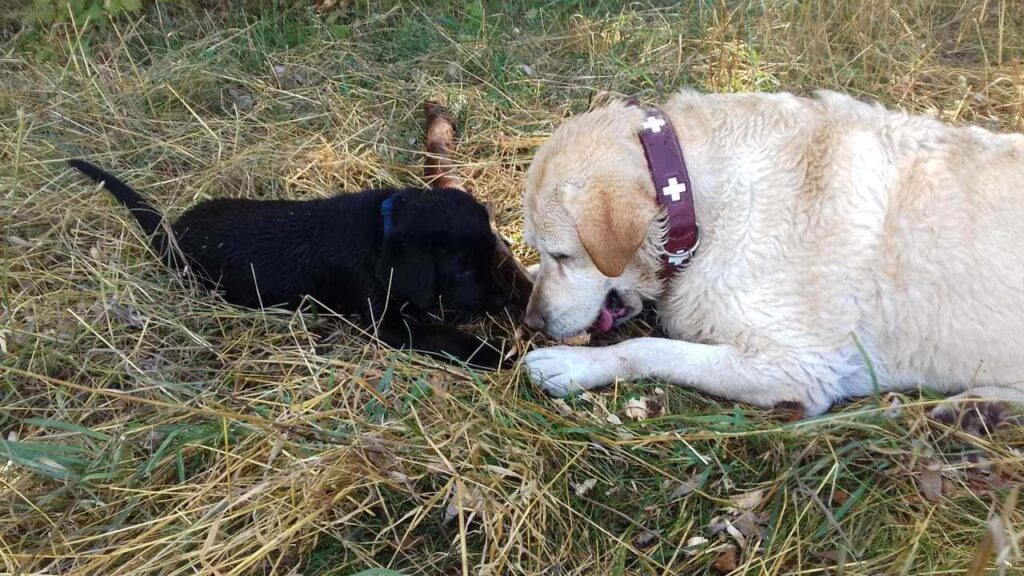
[148, 428]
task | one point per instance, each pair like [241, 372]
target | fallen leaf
[746, 526]
[655, 405]
[635, 409]
[748, 500]
[727, 560]
[398, 476]
[644, 407]
[720, 524]
[893, 406]
[749, 525]
[525, 492]
[241, 100]
[687, 487]
[528, 70]
[646, 538]
[586, 486]
[929, 481]
[613, 419]
[693, 543]
[839, 497]
[562, 407]
[469, 498]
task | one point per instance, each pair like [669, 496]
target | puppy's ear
[611, 223]
[408, 269]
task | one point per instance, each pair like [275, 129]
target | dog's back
[271, 252]
[949, 271]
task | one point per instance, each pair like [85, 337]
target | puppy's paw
[564, 370]
[973, 415]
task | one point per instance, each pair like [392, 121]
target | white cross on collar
[654, 124]
[674, 189]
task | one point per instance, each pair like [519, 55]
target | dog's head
[591, 213]
[440, 253]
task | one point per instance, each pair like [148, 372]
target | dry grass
[151, 429]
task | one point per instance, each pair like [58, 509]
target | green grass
[148, 428]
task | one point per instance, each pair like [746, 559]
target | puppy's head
[590, 211]
[440, 253]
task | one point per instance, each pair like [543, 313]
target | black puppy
[383, 254]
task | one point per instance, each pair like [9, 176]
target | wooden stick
[438, 167]
[440, 172]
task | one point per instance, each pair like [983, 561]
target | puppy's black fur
[437, 251]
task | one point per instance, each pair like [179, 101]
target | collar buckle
[681, 258]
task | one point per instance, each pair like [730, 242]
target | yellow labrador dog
[843, 247]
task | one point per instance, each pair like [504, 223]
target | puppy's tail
[149, 218]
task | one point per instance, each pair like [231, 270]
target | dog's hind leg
[981, 409]
[761, 379]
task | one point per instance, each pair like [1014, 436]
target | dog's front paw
[564, 370]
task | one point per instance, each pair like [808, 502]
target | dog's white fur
[828, 226]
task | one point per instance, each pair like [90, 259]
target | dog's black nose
[534, 320]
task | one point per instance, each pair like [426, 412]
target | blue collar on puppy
[387, 212]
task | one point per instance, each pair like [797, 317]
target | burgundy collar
[672, 186]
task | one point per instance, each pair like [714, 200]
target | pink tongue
[604, 321]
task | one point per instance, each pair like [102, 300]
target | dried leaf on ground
[747, 500]
[893, 405]
[584, 487]
[635, 409]
[562, 407]
[644, 407]
[743, 528]
[693, 545]
[646, 538]
[468, 497]
[695, 482]
[727, 560]
[929, 481]
[839, 497]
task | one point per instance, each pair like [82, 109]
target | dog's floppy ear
[611, 223]
[408, 269]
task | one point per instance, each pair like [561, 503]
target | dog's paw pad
[978, 417]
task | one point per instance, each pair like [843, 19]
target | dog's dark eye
[559, 257]
[463, 269]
